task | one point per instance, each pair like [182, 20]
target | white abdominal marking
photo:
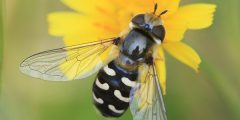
[128, 82]
[103, 86]
[99, 100]
[111, 107]
[109, 71]
[118, 94]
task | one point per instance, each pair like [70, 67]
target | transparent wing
[146, 98]
[70, 63]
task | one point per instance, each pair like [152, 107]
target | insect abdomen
[111, 90]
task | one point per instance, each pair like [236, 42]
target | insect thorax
[135, 49]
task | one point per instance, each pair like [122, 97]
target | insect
[126, 70]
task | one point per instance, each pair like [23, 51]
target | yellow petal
[197, 16]
[183, 53]
[143, 6]
[80, 5]
[68, 23]
[79, 39]
[77, 28]
[88, 6]
[161, 69]
[175, 29]
[134, 6]
[170, 5]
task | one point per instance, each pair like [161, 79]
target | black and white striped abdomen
[111, 90]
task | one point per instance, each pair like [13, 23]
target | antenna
[155, 8]
[163, 12]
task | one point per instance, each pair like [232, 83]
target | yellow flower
[93, 20]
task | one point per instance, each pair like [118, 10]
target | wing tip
[39, 75]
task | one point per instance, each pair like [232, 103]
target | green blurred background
[213, 94]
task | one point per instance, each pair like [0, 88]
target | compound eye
[138, 19]
[159, 32]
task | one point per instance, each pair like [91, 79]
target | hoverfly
[126, 72]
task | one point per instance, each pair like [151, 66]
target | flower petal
[67, 23]
[170, 5]
[183, 53]
[143, 6]
[197, 16]
[88, 6]
[175, 29]
[77, 28]
[161, 68]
